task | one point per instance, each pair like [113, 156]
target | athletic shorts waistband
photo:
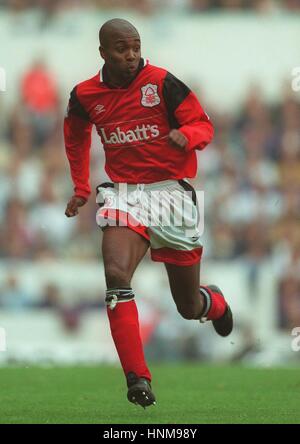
[149, 186]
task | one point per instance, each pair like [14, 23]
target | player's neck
[114, 80]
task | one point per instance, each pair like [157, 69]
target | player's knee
[116, 276]
[188, 311]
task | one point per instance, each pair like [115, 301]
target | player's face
[123, 54]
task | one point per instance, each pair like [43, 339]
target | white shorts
[165, 213]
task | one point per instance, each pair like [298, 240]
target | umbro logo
[99, 109]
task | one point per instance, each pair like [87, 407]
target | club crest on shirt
[150, 95]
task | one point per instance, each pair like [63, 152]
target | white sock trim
[207, 296]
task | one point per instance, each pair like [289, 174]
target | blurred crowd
[250, 174]
[51, 7]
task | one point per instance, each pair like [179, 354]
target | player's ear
[102, 52]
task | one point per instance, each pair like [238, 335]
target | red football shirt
[133, 124]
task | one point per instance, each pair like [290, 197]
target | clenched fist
[176, 138]
[73, 205]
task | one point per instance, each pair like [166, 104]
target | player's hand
[73, 205]
[177, 139]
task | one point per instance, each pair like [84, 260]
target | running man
[150, 124]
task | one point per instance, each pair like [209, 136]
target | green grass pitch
[186, 394]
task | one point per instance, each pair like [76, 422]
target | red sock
[125, 330]
[215, 303]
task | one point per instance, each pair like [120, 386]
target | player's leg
[195, 301]
[184, 284]
[122, 250]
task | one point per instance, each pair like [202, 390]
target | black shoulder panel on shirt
[75, 106]
[174, 93]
